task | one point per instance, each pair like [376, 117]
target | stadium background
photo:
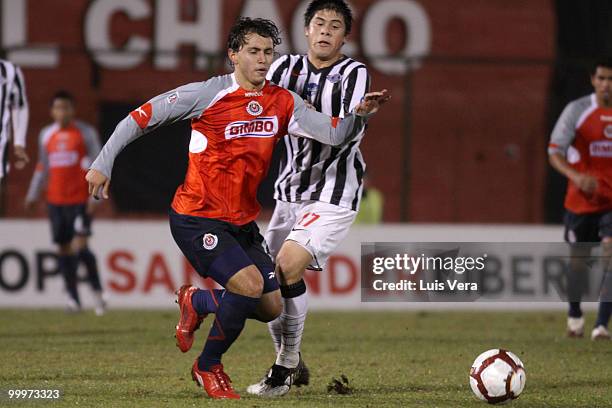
[475, 88]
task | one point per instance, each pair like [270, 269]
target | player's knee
[291, 262]
[78, 243]
[247, 282]
[287, 269]
[65, 249]
[254, 286]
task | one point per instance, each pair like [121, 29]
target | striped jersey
[13, 109]
[233, 134]
[583, 134]
[64, 156]
[311, 170]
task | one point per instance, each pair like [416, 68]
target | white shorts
[317, 226]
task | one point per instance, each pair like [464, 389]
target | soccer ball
[497, 376]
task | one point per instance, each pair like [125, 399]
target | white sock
[275, 329]
[292, 323]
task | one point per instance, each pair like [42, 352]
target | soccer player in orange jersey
[66, 148]
[581, 149]
[236, 121]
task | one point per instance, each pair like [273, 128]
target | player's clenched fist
[585, 183]
[98, 183]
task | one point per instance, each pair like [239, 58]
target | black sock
[206, 301]
[68, 267]
[229, 321]
[603, 314]
[574, 310]
[91, 264]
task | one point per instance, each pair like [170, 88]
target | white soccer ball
[497, 376]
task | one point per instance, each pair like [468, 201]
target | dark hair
[605, 62]
[65, 95]
[245, 25]
[339, 6]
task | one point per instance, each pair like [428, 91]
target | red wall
[476, 112]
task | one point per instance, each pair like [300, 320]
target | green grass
[129, 359]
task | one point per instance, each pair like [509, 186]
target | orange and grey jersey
[311, 170]
[583, 134]
[13, 110]
[233, 134]
[64, 155]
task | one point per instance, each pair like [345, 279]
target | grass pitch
[396, 359]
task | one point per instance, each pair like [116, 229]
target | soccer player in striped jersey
[580, 148]
[13, 116]
[236, 120]
[319, 187]
[65, 149]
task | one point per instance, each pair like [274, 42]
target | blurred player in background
[13, 117]
[65, 149]
[581, 149]
[236, 120]
[372, 204]
[319, 187]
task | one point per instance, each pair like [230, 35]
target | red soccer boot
[216, 383]
[189, 320]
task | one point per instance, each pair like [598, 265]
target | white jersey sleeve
[564, 132]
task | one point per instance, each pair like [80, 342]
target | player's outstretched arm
[185, 102]
[311, 124]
